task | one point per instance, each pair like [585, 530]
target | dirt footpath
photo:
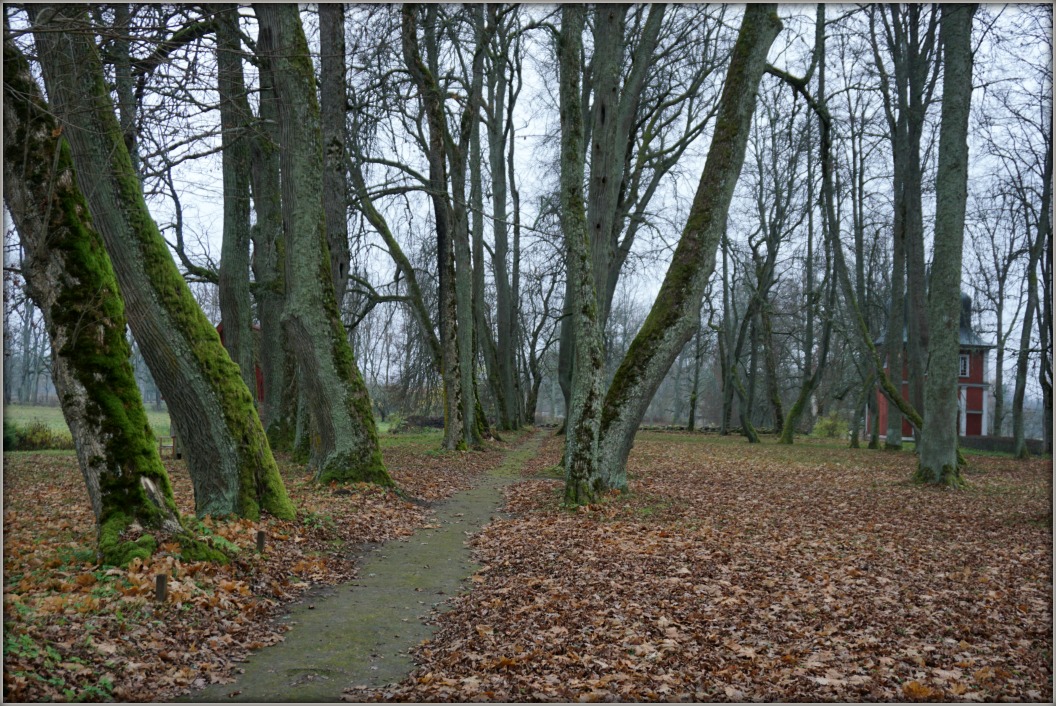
[360, 633]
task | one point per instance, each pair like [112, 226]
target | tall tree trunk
[613, 116]
[894, 339]
[124, 83]
[565, 355]
[810, 382]
[999, 373]
[726, 343]
[333, 99]
[473, 424]
[279, 411]
[698, 359]
[605, 148]
[344, 437]
[505, 316]
[235, 117]
[753, 364]
[917, 340]
[671, 320]
[1023, 355]
[483, 340]
[518, 337]
[432, 98]
[230, 461]
[582, 482]
[1045, 315]
[773, 390]
[938, 448]
[69, 275]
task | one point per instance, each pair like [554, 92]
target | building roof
[967, 337]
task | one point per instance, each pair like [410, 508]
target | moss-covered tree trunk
[938, 447]
[583, 480]
[333, 99]
[344, 440]
[472, 415]
[673, 317]
[231, 464]
[235, 117]
[447, 317]
[69, 275]
[279, 410]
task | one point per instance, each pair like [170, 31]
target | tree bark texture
[456, 153]
[333, 100]
[938, 447]
[344, 440]
[583, 483]
[235, 117]
[231, 465]
[672, 319]
[279, 412]
[69, 275]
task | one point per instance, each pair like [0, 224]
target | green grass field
[22, 415]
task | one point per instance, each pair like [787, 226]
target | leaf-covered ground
[74, 630]
[736, 573]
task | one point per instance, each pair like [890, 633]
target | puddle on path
[360, 633]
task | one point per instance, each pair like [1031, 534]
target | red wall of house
[974, 402]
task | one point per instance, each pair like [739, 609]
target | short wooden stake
[161, 587]
[260, 540]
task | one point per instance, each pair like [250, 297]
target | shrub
[396, 423]
[10, 435]
[37, 436]
[830, 427]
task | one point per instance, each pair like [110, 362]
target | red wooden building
[973, 392]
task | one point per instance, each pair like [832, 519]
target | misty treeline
[500, 215]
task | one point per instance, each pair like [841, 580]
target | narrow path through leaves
[360, 633]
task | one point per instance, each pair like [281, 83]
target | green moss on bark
[67, 266]
[949, 476]
[86, 95]
[197, 550]
[115, 550]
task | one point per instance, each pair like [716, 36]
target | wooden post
[161, 587]
[260, 540]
